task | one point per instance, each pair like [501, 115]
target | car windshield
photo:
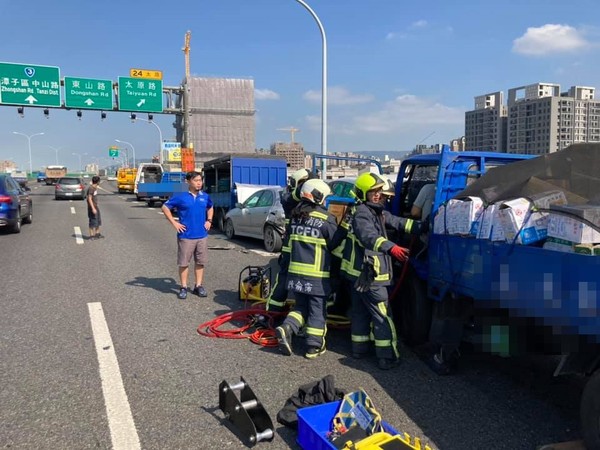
[69, 181]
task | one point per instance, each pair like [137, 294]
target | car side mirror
[239, 205]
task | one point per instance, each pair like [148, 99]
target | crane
[186, 52]
[292, 130]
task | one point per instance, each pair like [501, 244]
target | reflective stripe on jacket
[367, 241]
[310, 241]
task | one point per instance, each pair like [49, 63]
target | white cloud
[265, 94]
[337, 95]
[407, 111]
[419, 24]
[550, 38]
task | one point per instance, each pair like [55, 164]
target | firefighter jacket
[367, 241]
[311, 240]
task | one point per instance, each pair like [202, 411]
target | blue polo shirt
[192, 213]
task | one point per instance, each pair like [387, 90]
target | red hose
[263, 333]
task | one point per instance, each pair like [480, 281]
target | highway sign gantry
[88, 93]
[140, 95]
[29, 85]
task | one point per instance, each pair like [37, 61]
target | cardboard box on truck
[569, 222]
[522, 222]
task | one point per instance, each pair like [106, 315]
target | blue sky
[399, 70]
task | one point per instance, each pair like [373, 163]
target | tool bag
[357, 409]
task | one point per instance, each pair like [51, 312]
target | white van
[147, 173]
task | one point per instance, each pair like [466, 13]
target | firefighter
[311, 239]
[367, 263]
[289, 200]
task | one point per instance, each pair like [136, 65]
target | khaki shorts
[188, 248]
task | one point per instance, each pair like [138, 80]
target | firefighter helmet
[299, 176]
[388, 188]
[315, 191]
[367, 182]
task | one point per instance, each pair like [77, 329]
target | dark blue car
[15, 204]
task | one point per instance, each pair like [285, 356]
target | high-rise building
[542, 120]
[485, 126]
[221, 116]
[293, 152]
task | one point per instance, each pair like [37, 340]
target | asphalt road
[56, 293]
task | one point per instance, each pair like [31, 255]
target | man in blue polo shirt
[195, 210]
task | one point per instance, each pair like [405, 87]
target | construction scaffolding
[220, 116]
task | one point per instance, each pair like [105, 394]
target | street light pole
[29, 145]
[324, 90]
[56, 150]
[78, 155]
[132, 148]
[160, 152]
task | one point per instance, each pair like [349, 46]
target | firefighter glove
[364, 281]
[399, 253]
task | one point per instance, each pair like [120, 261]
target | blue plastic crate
[314, 422]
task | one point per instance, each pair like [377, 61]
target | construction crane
[292, 130]
[186, 52]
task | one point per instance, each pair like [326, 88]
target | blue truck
[222, 174]
[516, 299]
[170, 183]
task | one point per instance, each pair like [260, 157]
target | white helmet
[315, 191]
[298, 176]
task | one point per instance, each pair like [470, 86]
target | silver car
[69, 188]
[260, 216]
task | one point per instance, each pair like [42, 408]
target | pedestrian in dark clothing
[195, 210]
[94, 217]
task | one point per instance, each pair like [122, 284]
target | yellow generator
[255, 283]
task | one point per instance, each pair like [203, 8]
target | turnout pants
[279, 293]
[370, 308]
[309, 309]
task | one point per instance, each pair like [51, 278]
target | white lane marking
[72, 210]
[123, 433]
[78, 235]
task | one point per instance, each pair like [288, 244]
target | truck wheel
[272, 239]
[220, 219]
[413, 310]
[229, 231]
[590, 412]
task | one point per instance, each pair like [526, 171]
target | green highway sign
[113, 152]
[137, 94]
[28, 85]
[88, 93]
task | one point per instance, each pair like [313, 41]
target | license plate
[68, 193]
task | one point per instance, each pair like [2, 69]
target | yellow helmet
[315, 191]
[367, 182]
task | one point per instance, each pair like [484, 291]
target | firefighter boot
[284, 339]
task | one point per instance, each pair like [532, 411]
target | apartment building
[293, 152]
[485, 126]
